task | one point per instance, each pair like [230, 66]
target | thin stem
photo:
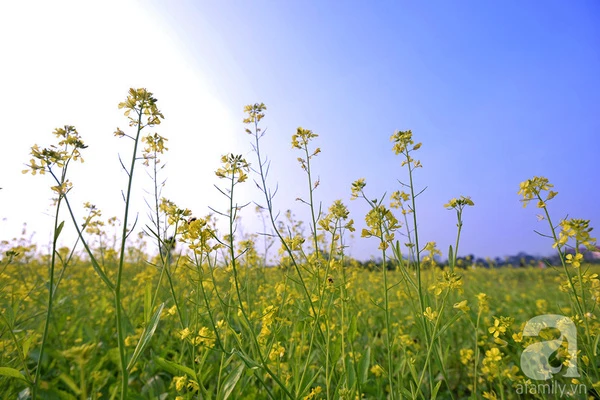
[118, 300]
[311, 202]
[50, 300]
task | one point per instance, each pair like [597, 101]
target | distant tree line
[519, 260]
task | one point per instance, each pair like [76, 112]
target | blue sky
[497, 93]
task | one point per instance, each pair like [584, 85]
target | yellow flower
[377, 370]
[459, 203]
[483, 302]
[532, 189]
[403, 139]
[518, 337]
[180, 382]
[398, 198]
[578, 229]
[357, 188]
[429, 314]
[490, 395]
[302, 137]
[313, 393]
[574, 260]
[255, 113]
[184, 333]
[234, 166]
[498, 329]
[277, 352]
[462, 306]
[466, 355]
[493, 355]
[172, 310]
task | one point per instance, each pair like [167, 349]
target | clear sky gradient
[497, 92]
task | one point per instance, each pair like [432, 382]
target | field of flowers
[204, 317]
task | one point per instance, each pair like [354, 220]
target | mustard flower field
[186, 309]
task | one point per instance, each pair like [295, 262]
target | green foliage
[203, 317]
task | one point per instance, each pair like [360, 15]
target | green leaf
[447, 325]
[13, 373]
[147, 303]
[363, 366]
[451, 257]
[146, 336]
[27, 342]
[70, 383]
[413, 372]
[59, 229]
[231, 380]
[250, 363]
[352, 329]
[351, 379]
[407, 394]
[101, 273]
[435, 390]
[174, 368]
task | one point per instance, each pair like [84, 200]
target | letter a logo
[535, 359]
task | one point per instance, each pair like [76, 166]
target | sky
[497, 92]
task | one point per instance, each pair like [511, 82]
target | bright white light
[72, 62]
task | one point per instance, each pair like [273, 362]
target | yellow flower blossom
[430, 314]
[574, 260]
[377, 370]
[462, 306]
[498, 329]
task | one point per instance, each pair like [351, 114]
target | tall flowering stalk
[55, 161]
[458, 205]
[569, 233]
[235, 170]
[381, 224]
[255, 113]
[301, 141]
[142, 112]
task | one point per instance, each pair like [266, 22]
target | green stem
[459, 225]
[118, 300]
[387, 323]
[311, 203]
[50, 299]
[263, 361]
[268, 199]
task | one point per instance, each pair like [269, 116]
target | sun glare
[72, 63]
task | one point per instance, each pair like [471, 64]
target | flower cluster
[579, 230]
[302, 137]
[174, 214]
[255, 113]
[234, 167]
[402, 145]
[381, 223]
[459, 204]
[92, 223]
[433, 251]
[198, 233]
[491, 363]
[398, 198]
[68, 148]
[357, 188]
[143, 104]
[532, 189]
[155, 144]
[402, 141]
[338, 212]
[448, 280]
